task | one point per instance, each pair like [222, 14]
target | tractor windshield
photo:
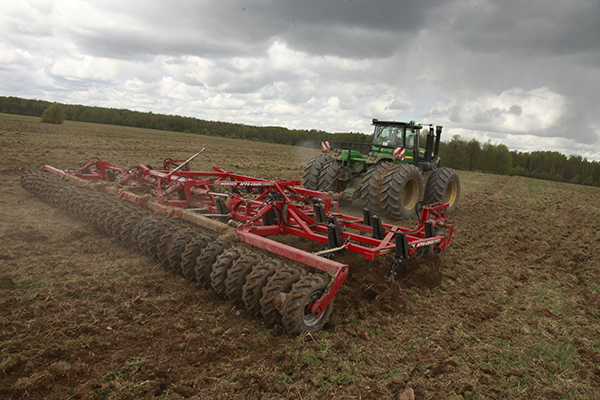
[388, 136]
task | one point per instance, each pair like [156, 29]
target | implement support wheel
[296, 315]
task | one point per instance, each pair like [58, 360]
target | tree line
[176, 123]
[471, 155]
[458, 153]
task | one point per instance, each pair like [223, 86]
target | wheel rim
[308, 318]
[410, 195]
[451, 192]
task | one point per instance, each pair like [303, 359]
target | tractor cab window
[411, 137]
[388, 136]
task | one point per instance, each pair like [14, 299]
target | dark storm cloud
[532, 27]
[344, 28]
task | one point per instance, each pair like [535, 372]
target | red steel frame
[176, 192]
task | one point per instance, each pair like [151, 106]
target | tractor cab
[395, 134]
[400, 140]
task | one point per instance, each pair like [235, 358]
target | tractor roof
[411, 124]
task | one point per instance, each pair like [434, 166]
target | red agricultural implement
[185, 219]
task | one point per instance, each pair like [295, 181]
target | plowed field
[514, 312]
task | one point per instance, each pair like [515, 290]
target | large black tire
[191, 253]
[207, 258]
[112, 224]
[443, 186]
[312, 173]
[27, 177]
[296, 318]
[236, 275]
[119, 221]
[224, 262]
[280, 283]
[166, 240]
[178, 246]
[103, 215]
[402, 190]
[128, 225]
[371, 187]
[166, 224]
[147, 240]
[329, 180]
[255, 282]
[140, 232]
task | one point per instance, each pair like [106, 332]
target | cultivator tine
[320, 216]
[401, 255]
[367, 217]
[377, 226]
[428, 229]
[334, 233]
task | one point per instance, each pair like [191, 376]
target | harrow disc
[174, 234]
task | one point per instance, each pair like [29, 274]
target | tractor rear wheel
[402, 190]
[443, 186]
[312, 172]
[371, 188]
[330, 176]
[296, 315]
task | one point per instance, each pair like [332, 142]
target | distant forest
[457, 153]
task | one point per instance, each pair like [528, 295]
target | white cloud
[499, 71]
[513, 111]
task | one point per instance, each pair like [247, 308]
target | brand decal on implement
[427, 243]
[243, 183]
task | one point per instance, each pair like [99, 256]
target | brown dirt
[512, 312]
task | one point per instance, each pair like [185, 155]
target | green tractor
[390, 176]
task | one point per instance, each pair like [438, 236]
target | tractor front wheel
[402, 190]
[297, 317]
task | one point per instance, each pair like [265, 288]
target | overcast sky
[525, 73]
